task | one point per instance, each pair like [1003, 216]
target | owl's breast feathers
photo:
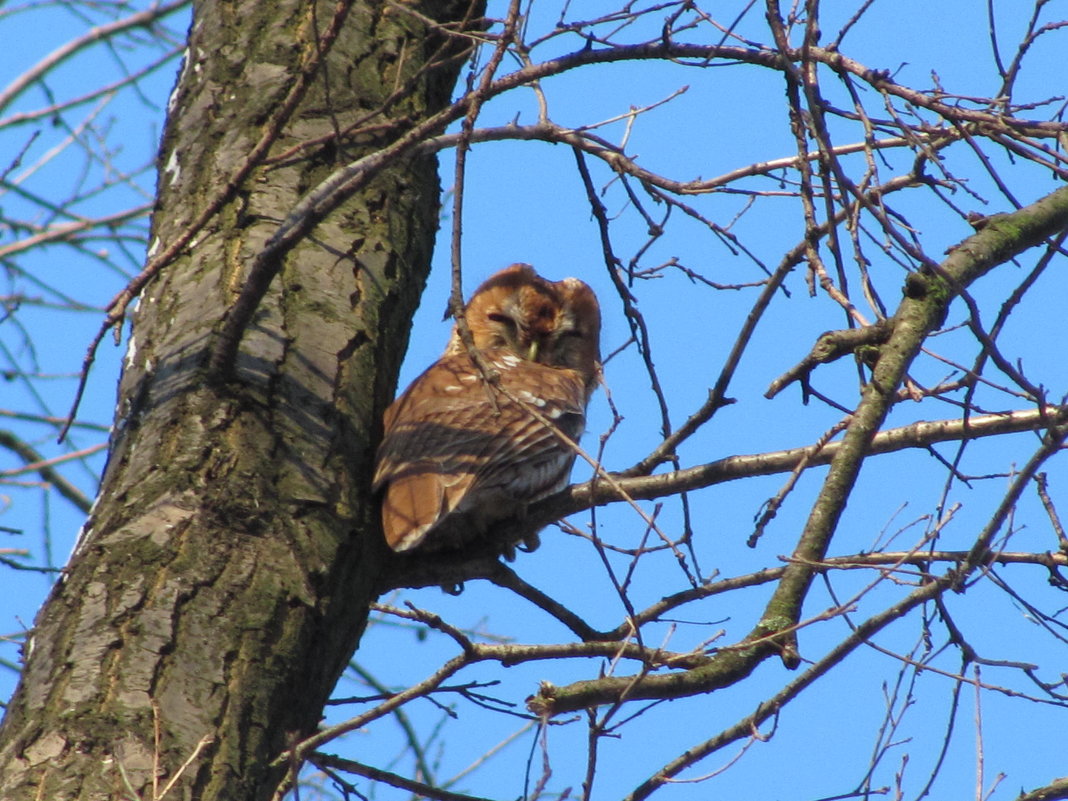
[456, 448]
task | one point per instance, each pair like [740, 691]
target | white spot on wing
[529, 397]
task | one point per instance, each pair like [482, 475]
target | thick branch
[922, 310]
[915, 435]
[1053, 791]
[831, 345]
[454, 569]
[920, 313]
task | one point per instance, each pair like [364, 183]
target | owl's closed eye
[459, 453]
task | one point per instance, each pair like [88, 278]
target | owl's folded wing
[455, 445]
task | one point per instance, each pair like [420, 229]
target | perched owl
[460, 454]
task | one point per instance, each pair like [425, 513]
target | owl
[461, 452]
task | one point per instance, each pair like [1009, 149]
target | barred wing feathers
[459, 454]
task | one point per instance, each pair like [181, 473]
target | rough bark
[221, 582]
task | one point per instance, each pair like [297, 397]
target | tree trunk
[222, 580]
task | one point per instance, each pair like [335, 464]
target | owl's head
[557, 324]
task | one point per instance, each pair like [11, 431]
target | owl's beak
[532, 351]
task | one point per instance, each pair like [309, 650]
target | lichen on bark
[223, 578]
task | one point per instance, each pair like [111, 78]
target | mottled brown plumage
[459, 453]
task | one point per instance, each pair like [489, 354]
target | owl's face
[557, 324]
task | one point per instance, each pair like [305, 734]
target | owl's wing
[451, 447]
